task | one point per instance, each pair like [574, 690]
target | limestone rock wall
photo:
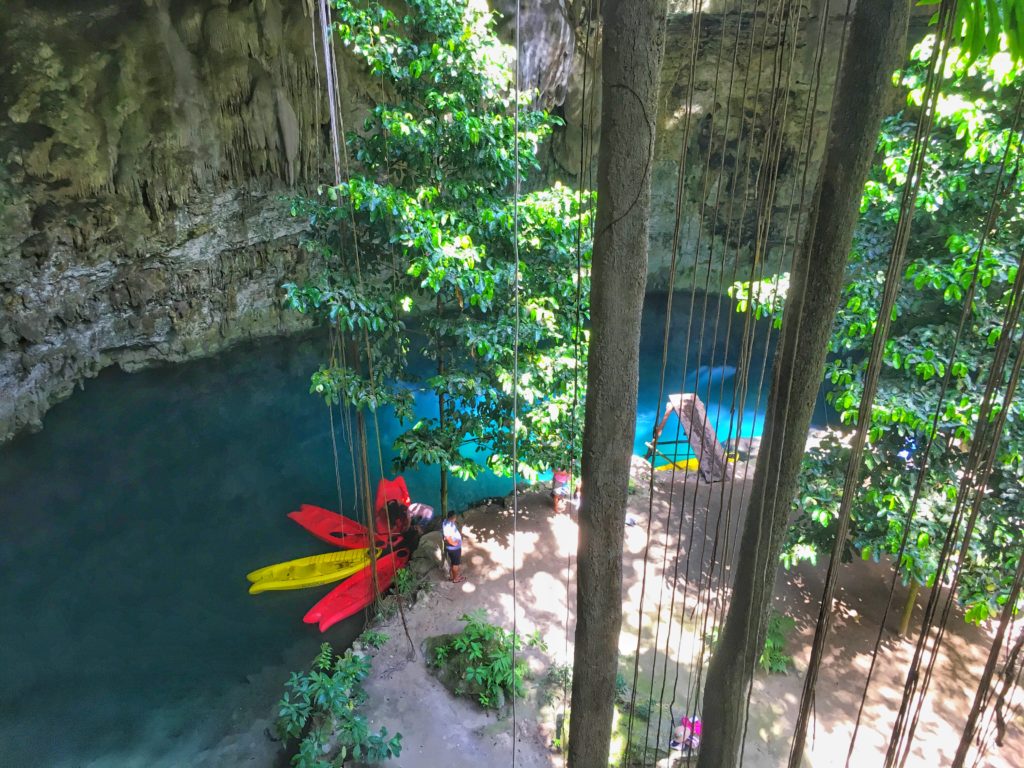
[746, 90]
[144, 148]
[741, 128]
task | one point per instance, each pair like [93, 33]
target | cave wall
[145, 146]
[745, 116]
[144, 150]
[746, 122]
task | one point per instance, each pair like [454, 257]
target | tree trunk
[368, 511]
[441, 420]
[444, 493]
[874, 51]
[908, 608]
[444, 470]
[634, 35]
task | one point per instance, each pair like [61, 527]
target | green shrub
[405, 583]
[560, 676]
[373, 638]
[321, 709]
[643, 709]
[556, 688]
[773, 658]
[387, 608]
[478, 661]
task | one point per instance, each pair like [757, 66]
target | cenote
[132, 517]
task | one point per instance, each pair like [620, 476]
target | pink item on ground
[694, 725]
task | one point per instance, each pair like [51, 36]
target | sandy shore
[521, 571]
[439, 729]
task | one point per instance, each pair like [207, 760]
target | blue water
[703, 357]
[131, 519]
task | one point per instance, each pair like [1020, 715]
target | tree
[420, 249]
[973, 133]
[983, 25]
[634, 39]
[876, 37]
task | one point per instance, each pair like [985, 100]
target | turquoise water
[129, 524]
[128, 637]
[704, 352]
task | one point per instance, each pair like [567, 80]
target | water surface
[128, 637]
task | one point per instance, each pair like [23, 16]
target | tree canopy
[972, 135]
[421, 247]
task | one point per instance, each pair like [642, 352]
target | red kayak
[355, 593]
[390, 490]
[331, 527]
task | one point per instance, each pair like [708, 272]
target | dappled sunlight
[549, 592]
[664, 643]
[565, 532]
[861, 597]
[525, 544]
[675, 121]
[679, 574]
[503, 606]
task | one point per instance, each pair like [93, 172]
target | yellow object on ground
[309, 571]
[692, 463]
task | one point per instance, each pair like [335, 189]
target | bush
[373, 638]
[478, 661]
[560, 676]
[407, 584]
[773, 658]
[643, 709]
[321, 709]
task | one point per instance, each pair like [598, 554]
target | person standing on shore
[453, 546]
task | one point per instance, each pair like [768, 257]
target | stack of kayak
[350, 565]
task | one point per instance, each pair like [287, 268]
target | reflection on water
[130, 521]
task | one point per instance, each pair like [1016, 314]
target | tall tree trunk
[908, 608]
[875, 49]
[634, 36]
[364, 480]
[441, 415]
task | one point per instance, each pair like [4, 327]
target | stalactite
[138, 136]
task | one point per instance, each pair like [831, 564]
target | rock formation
[145, 146]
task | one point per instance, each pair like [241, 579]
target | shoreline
[405, 697]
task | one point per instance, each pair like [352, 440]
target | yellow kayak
[691, 463]
[309, 571]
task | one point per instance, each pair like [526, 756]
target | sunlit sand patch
[565, 532]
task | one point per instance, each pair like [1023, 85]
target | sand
[439, 729]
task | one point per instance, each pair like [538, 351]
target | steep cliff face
[145, 146]
[742, 118]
